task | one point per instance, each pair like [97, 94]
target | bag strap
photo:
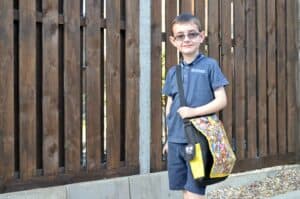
[189, 134]
[180, 89]
[180, 85]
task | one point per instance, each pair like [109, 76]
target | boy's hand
[185, 112]
[165, 149]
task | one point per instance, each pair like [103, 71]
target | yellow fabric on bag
[197, 166]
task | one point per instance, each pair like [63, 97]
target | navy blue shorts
[180, 176]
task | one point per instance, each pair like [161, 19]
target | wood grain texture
[132, 83]
[272, 88]
[113, 83]
[227, 64]
[50, 88]
[262, 78]
[27, 86]
[156, 81]
[251, 80]
[95, 86]
[72, 85]
[240, 77]
[7, 109]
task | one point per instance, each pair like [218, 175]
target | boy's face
[187, 38]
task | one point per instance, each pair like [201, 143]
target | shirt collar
[199, 56]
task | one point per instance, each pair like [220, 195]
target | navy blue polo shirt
[200, 79]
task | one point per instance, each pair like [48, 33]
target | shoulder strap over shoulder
[180, 85]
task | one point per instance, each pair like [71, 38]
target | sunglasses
[190, 35]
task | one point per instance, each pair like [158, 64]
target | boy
[204, 92]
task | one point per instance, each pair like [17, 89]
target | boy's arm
[214, 106]
[168, 107]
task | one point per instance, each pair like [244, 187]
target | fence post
[145, 86]
[298, 84]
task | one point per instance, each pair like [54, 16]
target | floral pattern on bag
[224, 158]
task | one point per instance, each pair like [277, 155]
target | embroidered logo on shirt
[197, 70]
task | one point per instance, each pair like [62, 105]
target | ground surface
[285, 180]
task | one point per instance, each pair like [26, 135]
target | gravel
[285, 180]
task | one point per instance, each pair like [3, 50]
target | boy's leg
[180, 176]
[190, 195]
[177, 170]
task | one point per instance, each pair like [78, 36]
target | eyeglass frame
[190, 35]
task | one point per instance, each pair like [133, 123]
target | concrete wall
[148, 186]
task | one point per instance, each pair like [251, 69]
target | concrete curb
[147, 186]
[58, 192]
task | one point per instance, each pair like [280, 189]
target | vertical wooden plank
[200, 13]
[271, 68]
[94, 93]
[72, 84]
[239, 63]
[251, 79]
[7, 109]
[227, 63]
[132, 83]
[171, 13]
[291, 64]
[113, 83]
[297, 82]
[170, 53]
[27, 87]
[156, 111]
[262, 77]
[281, 76]
[187, 6]
[50, 87]
[213, 29]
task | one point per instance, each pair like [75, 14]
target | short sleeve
[167, 88]
[217, 78]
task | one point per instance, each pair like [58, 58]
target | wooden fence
[65, 116]
[69, 84]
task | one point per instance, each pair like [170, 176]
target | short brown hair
[186, 18]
